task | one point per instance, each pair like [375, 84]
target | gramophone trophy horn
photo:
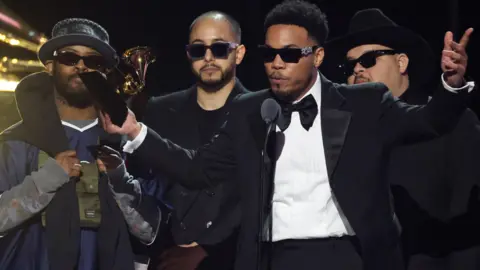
[139, 58]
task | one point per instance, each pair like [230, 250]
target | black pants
[316, 254]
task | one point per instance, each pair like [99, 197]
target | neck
[309, 86]
[402, 88]
[213, 100]
[67, 112]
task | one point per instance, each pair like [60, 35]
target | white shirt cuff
[469, 85]
[131, 146]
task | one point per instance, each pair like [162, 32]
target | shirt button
[182, 225]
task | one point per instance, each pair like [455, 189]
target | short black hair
[237, 31]
[300, 13]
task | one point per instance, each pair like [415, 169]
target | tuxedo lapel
[335, 121]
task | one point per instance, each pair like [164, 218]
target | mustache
[360, 78]
[73, 76]
[210, 66]
[277, 75]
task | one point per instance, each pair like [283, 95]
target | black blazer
[360, 124]
[435, 188]
[206, 216]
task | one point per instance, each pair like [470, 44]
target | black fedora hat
[77, 31]
[372, 26]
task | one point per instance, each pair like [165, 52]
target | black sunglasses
[96, 62]
[288, 55]
[218, 49]
[367, 60]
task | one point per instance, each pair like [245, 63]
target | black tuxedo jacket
[207, 216]
[360, 124]
[435, 185]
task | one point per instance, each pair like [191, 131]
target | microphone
[272, 116]
[272, 113]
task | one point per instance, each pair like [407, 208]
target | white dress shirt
[303, 205]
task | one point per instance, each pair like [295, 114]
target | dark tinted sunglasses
[367, 60]
[218, 49]
[95, 62]
[288, 55]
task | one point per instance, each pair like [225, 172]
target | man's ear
[319, 54]
[403, 61]
[49, 67]
[240, 53]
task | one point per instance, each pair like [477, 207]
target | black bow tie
[307, 108]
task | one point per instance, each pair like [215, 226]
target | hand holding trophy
[110, 96]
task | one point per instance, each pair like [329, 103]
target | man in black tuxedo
[204, 222]
[434, 183]
[329, 200]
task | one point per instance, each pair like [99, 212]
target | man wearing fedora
[65, 202]
[434, 183]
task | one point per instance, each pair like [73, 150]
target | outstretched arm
[405, 123]
[200, 168]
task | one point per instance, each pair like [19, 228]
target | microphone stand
[263, 177]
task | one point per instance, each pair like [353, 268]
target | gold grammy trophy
[139, 58]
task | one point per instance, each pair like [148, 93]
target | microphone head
[270, 110]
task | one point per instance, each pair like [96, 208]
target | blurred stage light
[10, 21]
[8, 86]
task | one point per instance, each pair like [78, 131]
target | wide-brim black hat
[372, 26]
[75, 31]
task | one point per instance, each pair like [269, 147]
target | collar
[315, 91]
[81, 129]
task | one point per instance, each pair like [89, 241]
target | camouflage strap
[87, 194]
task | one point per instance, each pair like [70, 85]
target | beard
[291, 90]
[73, 91]
[214, 83]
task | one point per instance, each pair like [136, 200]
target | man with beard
[203, 222]
[435, 184]
[313, 194]
[64, 204]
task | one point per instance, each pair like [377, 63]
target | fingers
[75, 163]
[456, 47]
[466, 37]
[451, 66]
[447, 40]
[105, 119]
[71, 154]
[100, 162]
[450, 45]
[75, 168]
[453, 56]
[101, 165]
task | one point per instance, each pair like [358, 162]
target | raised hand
[454, 58]
[130, 127]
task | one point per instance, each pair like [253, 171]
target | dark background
[163, 25]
